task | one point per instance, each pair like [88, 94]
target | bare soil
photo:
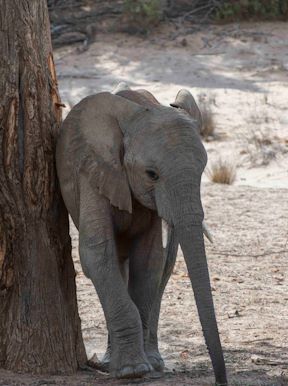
[242, 70]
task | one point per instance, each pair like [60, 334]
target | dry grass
[261, 145]
[208, 128]
[261, 148]
[222, 172]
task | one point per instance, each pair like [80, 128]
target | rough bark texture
[40, 328]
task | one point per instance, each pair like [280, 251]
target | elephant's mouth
[165, 228]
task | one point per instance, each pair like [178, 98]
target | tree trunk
[40, 329]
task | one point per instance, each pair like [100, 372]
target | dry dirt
[242, 70]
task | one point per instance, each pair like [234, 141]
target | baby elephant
[125, 163]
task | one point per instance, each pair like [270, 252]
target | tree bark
[40, 330]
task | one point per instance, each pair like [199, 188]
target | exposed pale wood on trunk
[40, 329]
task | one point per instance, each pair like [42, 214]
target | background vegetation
[78, 20]
[225, 10]
[252, 9]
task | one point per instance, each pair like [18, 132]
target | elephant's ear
[101, 121]
[185, 101]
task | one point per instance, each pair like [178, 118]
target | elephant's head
[156, 155]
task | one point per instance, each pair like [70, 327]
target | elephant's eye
[152, 175]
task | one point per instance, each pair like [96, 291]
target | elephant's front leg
[146, 267]
[122, 250]
[100, 263]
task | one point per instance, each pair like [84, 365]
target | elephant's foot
[135, 371]
[129, 366]
[105, 362]
[155, 360]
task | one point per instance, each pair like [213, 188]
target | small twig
[224, 253]
[207, 53]
[77, 76]
[256, 340]
[60, 105]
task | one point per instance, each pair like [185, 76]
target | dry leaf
[184, 355]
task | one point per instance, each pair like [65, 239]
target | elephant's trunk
[188, 219]
[192, 244]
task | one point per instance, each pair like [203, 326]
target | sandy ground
[242, 70]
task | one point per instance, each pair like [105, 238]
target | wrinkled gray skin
[124, 163]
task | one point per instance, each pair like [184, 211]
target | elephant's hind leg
[100, 263]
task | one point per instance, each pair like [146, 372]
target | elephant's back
[142, 97]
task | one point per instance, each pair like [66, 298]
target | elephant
[126, 164]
